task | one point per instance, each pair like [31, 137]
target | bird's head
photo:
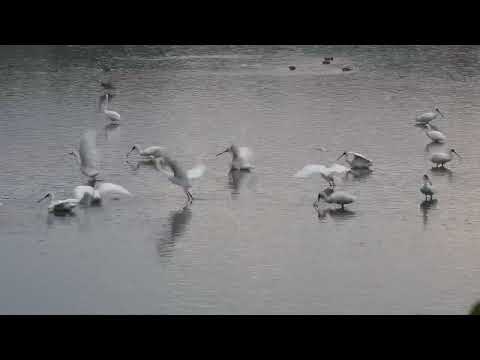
[134, 147]
[438, 111]
[427, 179]
[454, 152]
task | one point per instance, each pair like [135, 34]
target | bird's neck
[76, 156]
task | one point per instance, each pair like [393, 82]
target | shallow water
[252, 243]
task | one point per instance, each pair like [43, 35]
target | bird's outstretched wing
[88, 153]
[81, 190]
[109, 188]
[359, 156]
[196, 172]
[311, 169]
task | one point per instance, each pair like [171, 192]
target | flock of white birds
[96, 189]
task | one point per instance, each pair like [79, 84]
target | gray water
[252, 244]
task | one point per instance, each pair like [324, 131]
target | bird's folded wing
[360, 156]
[310, 170]
[245, 153]
[196, 172]
[81, 190]
[109, 188]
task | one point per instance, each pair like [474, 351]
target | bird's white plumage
[311, 169]
[112, 115]
[196, 172]
[434, 135]
[88, 194]
[358, 156]
[88, 154]
[109, 188]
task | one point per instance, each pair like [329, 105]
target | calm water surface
[252, 243]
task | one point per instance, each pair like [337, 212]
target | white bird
[326, 172]
[358, 160]
[428, 116]
[151, 152]
[93, 195]
[60, 206]
[110, 114]
[178, 176]
[87, 156]
[241, 157]
[441, 158]
[427, 187]
[335, 197]
[434, 135]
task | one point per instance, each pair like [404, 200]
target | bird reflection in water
[101, 100]
[340, 214]
[426, 206]
[110, 129]
[177, 225]
[358, 174]
[236, 179]
[442, 171]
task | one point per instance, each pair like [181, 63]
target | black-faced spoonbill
[358, 161]
[428, 116]
[441, 158]
[92, 195]
[180, 177]
[335, 197]
[434, 135]
[427, 187]
[326, 172]
[241, 157]
[60, 206]
[110, 114]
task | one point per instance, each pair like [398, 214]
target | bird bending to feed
[427, 187]
[358, 161]
[441, 158]
[335, 197]
[241, 157]
[87, 156]
[428, 116]
[60, 206]
[92, 195]
[326, 172]
[434, 135]
[180, 177]
[151, 152]
[110, 114]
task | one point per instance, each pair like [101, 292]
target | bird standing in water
[427, 187]
[241, 157]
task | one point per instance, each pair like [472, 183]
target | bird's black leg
[191, 196]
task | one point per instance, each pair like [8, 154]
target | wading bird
[110, 114]
[335, 197]
[434, 135]
[241, 157]
[358, 161]
[428, 116]
[92, 195]
[180, 177]
[326, 172]
[60, 206]
[441, 158]
[427, 187]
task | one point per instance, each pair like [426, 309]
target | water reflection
[236, 179]
[442, 171]
[434, 146]
[336, 214]
[62, 217]
[177, 225]
[110, 128]
[425, 207]
[102, 98]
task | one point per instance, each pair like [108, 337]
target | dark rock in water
[346, 68]
[329, 58]
[326, 62]
[291, 67]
